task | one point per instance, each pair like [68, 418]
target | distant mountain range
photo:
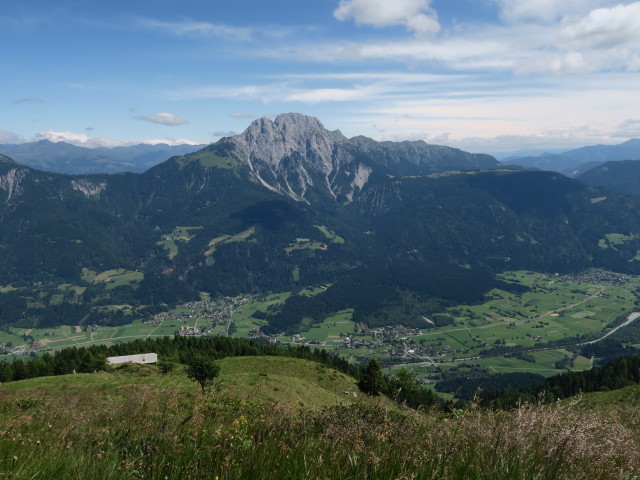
[394, 231]
[63, 157]
[575, 162]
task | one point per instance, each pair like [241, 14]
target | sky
[488, 76]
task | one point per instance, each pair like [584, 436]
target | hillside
[620, 176]
[136, 423]
[391, 231]
[256, 379]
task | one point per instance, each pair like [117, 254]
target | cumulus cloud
[545, 10]
[163, 118]
[534, 36]
[606, 28]
[415, 15]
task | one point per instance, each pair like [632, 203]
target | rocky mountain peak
[271, 141]
[297, 124]
[293, 154]
[296, 155]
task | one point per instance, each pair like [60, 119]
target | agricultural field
[305, 244]
[45, 339]
[610, 240]
[549, 308]
[531, 310]
[113, 278]
[327, 334]
[243, 318]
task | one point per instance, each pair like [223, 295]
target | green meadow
[542, 309]
[113, 278]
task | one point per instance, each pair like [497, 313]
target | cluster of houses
[599, 277]
[219, 311]
[8, 350]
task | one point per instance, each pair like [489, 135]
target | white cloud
[538, 36]
[83, 140]
[293, 89]
[515, 11]
[321, 95]
[169, 141]
[415, 15]
[486, 114]
[224, 133]
[605, 28]
[79, 139]
[9, 137]
[628, 128]
[163, 118]
[192, 27]
[249, 116]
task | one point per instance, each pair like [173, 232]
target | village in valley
[510, 331]
[204, 317]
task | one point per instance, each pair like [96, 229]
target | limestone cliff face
[87, 188]
[271, 142]
[11, 182]
[295, 155]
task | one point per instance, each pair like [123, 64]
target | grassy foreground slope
[285, 418]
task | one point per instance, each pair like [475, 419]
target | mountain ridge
[62, 157]
[295, 154]
[205, 222]
[574, 162]
[622, 176]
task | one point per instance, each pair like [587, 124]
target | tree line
[618, 374]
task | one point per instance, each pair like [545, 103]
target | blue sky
[482, 75]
